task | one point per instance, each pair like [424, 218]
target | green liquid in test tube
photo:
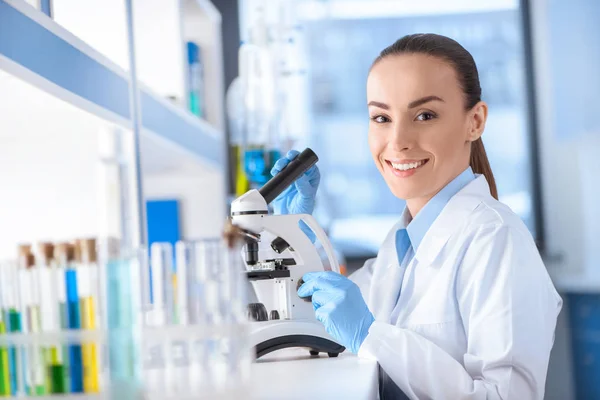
[13, 323]
[4, 368]
[64, 355]
[14, 326]
[5, 389]
[56, 379]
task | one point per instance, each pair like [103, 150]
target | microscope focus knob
[274, 315]
[257, 312]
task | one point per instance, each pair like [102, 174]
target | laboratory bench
[295, 374]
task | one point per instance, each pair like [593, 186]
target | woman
[458, 303]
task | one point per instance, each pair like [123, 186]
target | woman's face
[419, 133]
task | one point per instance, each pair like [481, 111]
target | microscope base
[269, 336]
[315, 345]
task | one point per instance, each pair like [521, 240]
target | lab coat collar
[405, 219]
[458, 208]
[388, 246]
[420, 224]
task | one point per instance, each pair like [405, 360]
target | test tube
[236, 285]
[182, 292]
[187, 369]
[5, 377]
[4, 367]
[88, 299]
[70, 317]
[140, 277]
[206, 261]
[117, 311]
[120, 271]
[56, 373]
[30, 283]
[157, 368]
[24, 301]
[25, 262]
[13, 321]
[235, 294]
[74, 315]
[161, 259]
[207, 257]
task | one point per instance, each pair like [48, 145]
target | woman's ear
[477, 116]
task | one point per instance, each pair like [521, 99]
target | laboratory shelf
[39, 51]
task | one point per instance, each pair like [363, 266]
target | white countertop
[294, 374]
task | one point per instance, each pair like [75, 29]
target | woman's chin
[407, 193]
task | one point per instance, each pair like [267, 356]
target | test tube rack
[149, 345]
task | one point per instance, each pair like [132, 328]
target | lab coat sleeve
[508, 308]
[363, 277]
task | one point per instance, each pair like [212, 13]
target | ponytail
[481, 165]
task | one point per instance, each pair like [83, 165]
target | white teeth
[406, 167]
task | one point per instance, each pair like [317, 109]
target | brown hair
[461, 60]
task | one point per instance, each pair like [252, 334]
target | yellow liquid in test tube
[241, 181]
[89, 351]
[87, 260]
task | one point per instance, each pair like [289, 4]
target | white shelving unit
[64, 82]
[38, 50]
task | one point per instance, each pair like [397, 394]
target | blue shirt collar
[420, 224]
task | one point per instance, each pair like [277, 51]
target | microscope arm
[317, 230]
[287, 227]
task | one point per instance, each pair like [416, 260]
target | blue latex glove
[339, 305]
[298, 198]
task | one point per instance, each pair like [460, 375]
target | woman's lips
[413, 167]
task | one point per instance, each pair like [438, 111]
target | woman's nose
[402, 137]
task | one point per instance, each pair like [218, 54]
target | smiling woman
[426, 116]
[457, 304]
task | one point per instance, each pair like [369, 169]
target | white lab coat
[477, 307]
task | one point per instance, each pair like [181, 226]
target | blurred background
[146, 124]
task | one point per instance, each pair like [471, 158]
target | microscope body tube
[294, 170]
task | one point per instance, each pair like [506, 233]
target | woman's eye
[425, 116]
[380, 119]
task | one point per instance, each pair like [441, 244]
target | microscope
[277, 253]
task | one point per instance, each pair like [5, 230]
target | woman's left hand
[339, 305]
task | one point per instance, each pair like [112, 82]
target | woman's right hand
[298, 198]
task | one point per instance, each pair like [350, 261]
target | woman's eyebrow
[412, 104]
[378, 104]
[424, 100]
